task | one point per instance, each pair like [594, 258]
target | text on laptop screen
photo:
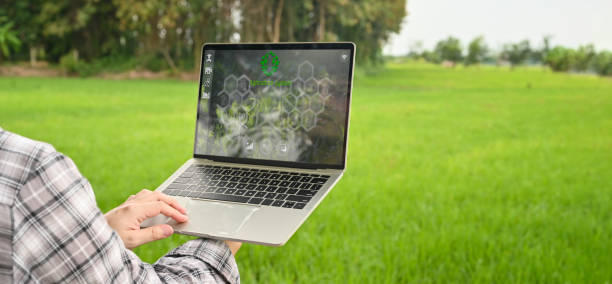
[284, 105]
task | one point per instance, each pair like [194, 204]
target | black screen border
[271, 46]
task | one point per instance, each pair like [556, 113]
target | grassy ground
[454, 175]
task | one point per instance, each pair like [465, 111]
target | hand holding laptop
[127, 217]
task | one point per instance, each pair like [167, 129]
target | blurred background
[480, 145]
[89, 37]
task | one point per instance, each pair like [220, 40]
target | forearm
[63, 237]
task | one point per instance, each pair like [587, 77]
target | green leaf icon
[269, 63]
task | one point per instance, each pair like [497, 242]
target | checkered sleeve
[61, 236]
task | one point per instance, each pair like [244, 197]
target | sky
[570, 23]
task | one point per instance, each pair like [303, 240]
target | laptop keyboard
[244, 185]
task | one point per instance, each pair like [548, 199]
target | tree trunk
[321, 27]
[33, 52]
[260, 34]
[260, 20]
[277, 20]
[290, 14]
[168, 58]
[197, 48]
[269, 24]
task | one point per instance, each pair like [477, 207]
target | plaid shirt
[51, 229]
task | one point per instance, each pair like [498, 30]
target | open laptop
[270, 141]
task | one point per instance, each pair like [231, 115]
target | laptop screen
[274, 104]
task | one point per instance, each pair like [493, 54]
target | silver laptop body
[271, 139]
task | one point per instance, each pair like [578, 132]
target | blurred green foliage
[8, 38]
[584, 59]
[516, 53]
[449, 50]
[603, 63]
[174, 31]
[560, 58]
[477, 51]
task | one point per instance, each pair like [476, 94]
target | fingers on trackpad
[159, 219]
[217, 217]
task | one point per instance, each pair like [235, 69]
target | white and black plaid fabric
[51, 229]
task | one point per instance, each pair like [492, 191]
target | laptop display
[274, 103]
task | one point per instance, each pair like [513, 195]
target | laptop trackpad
[215, 217]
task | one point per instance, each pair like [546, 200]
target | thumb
[146, 235]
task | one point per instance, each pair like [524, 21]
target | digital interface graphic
[285, 105]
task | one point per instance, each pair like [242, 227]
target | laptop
[270, 140]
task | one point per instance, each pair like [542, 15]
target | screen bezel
[271, 46]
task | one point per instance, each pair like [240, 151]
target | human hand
[126, 218]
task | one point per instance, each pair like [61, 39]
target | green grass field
[454, 175]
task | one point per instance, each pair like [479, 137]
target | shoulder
[20, 157]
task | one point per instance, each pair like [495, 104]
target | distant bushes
[113, 64]
[583, 59]
[559, 59]
[603, 63]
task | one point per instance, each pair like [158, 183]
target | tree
[53, 28]
[176, 29]
[368, 23]
[516, 53]
[538, 55]
[8, 37]
[449, 49]
[477, 51]
[262, 19]
[584, 57]
[24, 15]
[79, 27]
[546, 44]
[430, 56]
[560, 59]
[152, 22]
[211, 21]
[602, 63]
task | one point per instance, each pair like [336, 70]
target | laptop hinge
[202, 159]
[312, 169]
